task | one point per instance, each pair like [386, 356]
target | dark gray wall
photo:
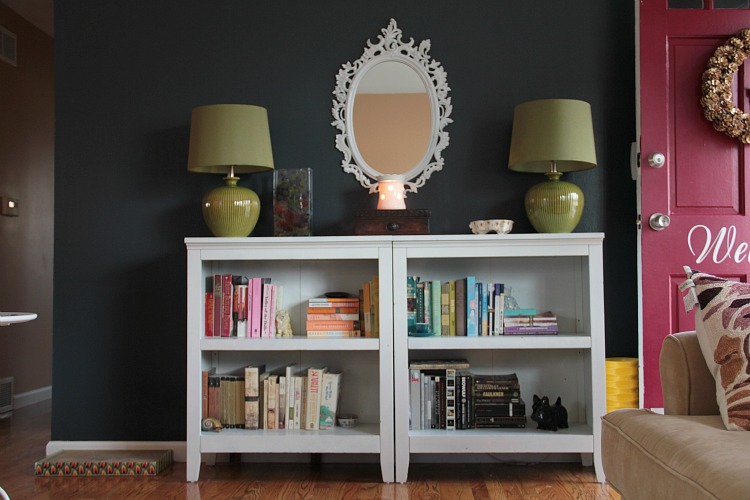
[127, 76]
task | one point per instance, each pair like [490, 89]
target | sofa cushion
[722, 323]
[648, 455]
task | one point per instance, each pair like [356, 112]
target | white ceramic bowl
[347, 420]
[499, 226]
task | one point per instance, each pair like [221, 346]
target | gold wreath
[717, 103]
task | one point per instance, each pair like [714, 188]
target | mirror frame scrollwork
[391, 47]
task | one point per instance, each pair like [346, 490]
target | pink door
[703, 184]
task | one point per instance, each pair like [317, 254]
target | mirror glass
[392, 118]
[391, 108]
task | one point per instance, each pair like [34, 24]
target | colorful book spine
[415, 399]
[329, 400]
[239, 305]
[333, 333]
[436, 310]
[472, 308]
[461, 307]
[265, 321]
[452, 308]
[333, 324]
[445, 309]
[209, 315]
[252, 395]
[255, 307]
[499, 308]
[366, 309]
[411, 303]
[227, 300]
[312, 410]
[217, 304]
[420, 303]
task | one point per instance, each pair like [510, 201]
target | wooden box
[409, 221]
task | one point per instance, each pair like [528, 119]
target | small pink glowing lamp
[391, 192]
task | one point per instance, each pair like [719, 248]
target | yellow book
[375, 292]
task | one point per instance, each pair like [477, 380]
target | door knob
[657, 221]
[656, 160]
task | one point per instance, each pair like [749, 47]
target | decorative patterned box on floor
[104, 463]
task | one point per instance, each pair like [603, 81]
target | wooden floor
[24, 436]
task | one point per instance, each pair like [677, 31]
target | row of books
[288, 398]
[462, 307]
[443, 395]
[345, 316]
[238, 306]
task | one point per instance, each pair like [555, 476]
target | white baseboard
[179, 448]
[31, 397]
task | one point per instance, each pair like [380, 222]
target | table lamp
[391, 192]
[231, 139]
[553, 136]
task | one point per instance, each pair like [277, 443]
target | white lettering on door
[720, 248]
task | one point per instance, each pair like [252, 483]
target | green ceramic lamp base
[231, 211]
[554, 206]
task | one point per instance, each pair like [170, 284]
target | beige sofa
[685, 453]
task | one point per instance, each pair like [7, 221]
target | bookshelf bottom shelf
[578, 438]
[364, 438]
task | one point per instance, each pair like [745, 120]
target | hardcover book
[253, 377]
[239, 305]
[314, 386]
[411, 303]
[255, 306]
[329, 401]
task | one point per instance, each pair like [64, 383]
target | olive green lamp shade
[229, 139]
[553, 136]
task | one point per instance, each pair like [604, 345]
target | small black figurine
[549, 417]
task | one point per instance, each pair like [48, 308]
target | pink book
[255, 315]
[265, 322]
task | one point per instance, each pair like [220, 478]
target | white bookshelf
[306, 267]
[560, 273]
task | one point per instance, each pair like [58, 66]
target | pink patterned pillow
[722, 324]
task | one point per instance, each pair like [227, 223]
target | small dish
[499, 226]
[347, 420]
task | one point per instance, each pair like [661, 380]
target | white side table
[9, 318]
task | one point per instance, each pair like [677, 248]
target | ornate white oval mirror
[391, 109]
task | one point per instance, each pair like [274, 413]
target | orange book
[340, 324]
[333, 310]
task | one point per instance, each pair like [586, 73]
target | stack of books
[497, 402]
[533, 324]
[333, 317]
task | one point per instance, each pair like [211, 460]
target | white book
[289, 400]
[312, 408]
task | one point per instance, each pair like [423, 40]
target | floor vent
[8, 46]
[6, 396]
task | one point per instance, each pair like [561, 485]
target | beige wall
[27, 173]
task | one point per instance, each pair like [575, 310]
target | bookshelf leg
[587, 459]
[210, 459]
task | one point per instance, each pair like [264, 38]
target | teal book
[411, 303]
[472, 308]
